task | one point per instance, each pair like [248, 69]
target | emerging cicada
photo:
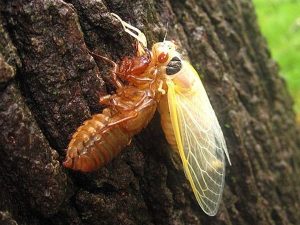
[158, 78]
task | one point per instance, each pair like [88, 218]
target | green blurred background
[280, 24]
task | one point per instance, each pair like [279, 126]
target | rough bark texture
[49, 84]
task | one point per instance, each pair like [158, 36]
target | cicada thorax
[131, 67]
[102, 137]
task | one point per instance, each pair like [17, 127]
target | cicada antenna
[166, 32]
[133, 31]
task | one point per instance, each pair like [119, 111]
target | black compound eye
[174, 66]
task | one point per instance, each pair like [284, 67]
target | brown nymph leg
[115, 81]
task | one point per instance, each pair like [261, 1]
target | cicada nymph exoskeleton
[138, 91]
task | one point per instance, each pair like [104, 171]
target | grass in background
[280, 24]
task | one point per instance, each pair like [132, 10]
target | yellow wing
[200, 141]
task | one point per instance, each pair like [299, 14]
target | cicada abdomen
[166, 122]
[95, 143]
[102, 137]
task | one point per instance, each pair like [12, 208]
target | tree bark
[49, 84]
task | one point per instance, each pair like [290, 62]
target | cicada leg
[129, 117]
[115, 81]
[105, 100]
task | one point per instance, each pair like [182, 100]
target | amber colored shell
[101, 138]
[95, 143]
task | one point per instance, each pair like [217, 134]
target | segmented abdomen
[166, 122]
[95, 143]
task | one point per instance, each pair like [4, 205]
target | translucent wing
[200, 141]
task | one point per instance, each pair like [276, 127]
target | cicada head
[167, 59]
[171, 64]
[163, 52]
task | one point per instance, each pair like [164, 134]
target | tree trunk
[49, 84]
